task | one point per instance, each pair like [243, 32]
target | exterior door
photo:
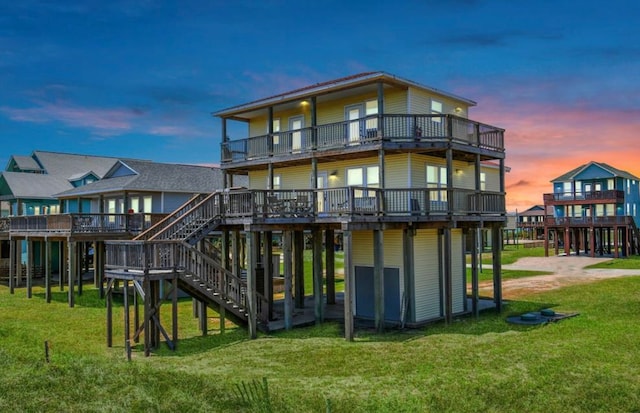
[321, 184]
[353, 114]
[295, 127]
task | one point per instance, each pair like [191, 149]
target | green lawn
[630, 263]
[588, 363]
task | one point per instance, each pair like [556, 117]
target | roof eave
[327, 87]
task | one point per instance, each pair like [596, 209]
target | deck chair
[275, 205]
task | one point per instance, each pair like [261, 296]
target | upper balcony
[584, 198]
[391, 132]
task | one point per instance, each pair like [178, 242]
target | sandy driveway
[566, 271]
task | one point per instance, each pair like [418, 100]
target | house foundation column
[378, 279]
[329, 247]
[497, 268]
[287, 256]
[349, 286]
[318, 286]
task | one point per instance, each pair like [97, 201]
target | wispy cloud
[99, 120]
[178, 131]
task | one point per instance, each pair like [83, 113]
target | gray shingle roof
[66, 165]
[26, 163]
[155, 177]
[38, 186]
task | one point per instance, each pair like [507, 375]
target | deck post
[268, 271]
[497, 267]
[378, 279]
[408, 237]
[288, 279]
[317, 276]
[235, 247]
[29, 244]
[349, 286]
[252, 312]
[329, 243]
[174, 310]
[71, 251]
[298, 270]
[79, 255]
[13, 247]
[109, 299]
[127, 325]
[136, 313]
[448, 279]
[146, 322]
[475, 285]
[62, 269]
[616, 240]
[202, 317]
[47, 270]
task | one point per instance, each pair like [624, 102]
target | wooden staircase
[170, 246]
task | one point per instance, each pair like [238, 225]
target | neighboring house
[392, 170]
[74, 203]
[530, 222]
[596, 210]
[29, 184]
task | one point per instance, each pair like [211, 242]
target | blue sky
[141, 78]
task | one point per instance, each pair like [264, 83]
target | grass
[630, 263]
[582, 364]
[510, 254]
[471, 365]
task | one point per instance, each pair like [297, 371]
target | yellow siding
[395, 101]
[421, 103]
[426, 283]
[294, 177]
[493, 178]
[362, 248]
[397, 170]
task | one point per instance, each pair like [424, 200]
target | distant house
[58, 209]
[530, 222]
[596, 210]
[29, 184]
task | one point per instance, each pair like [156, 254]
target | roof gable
[19, 163]
[594, 170]
[120, 169]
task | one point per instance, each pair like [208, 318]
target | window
[483, 181]
[367, 176]
[147, 203]
[437, 178]
[276, 182]
[436, 109]
[371, 109]
[134, 204]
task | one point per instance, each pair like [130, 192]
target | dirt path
[566, 271]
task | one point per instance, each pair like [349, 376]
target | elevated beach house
[596, 211]
[393, 171]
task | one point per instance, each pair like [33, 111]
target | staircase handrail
[221, 280]
[169, 219]
[207, 209]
